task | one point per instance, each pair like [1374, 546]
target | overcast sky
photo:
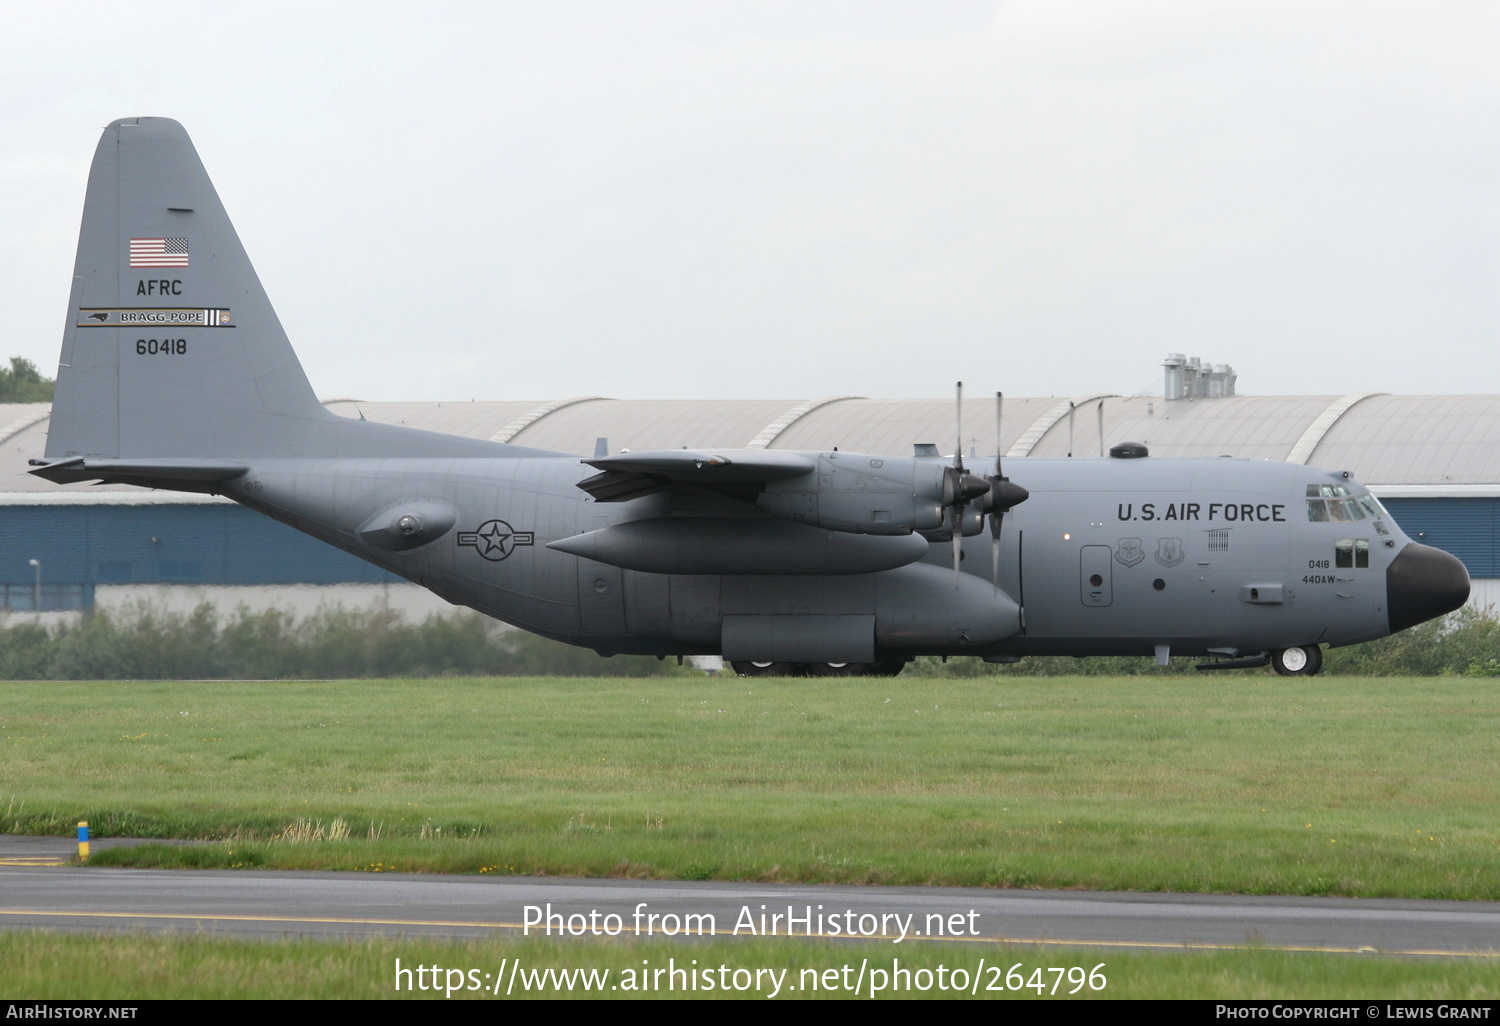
[770, 199]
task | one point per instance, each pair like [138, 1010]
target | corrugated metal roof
[1434, 440]
[1253, 427]
[29, 442]
[893, 426]
[1382, 439]
[639, 424]
[475, 420]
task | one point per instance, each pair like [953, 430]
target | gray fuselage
[1108, 556]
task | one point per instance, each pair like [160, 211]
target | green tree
[23, 383]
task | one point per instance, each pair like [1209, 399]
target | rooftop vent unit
[1189, 378]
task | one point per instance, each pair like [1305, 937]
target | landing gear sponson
[1298, 661]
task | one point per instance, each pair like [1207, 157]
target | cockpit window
[1334, 503]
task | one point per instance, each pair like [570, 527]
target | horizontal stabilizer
[741, 545]
[182, 474]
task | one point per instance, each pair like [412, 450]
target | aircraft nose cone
[1421, 583]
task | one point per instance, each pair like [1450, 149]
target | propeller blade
[995, 548]
[960, 488]
[1004, 495]
[999, 408]
[958, 421]
[998, 515]
[960, 498]
[958, 540]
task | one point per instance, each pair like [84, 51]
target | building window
[180, 570]
[116, 571]
[22, 597]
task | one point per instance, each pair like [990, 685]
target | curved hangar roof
[1400, 444]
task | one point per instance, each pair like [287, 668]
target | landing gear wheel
[755, 668]
[837, 669]
[1303, 661]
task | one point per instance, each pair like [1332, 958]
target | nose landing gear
[1300, 661]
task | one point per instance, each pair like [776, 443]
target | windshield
[1335, 503]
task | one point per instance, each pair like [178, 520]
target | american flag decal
[159, 252]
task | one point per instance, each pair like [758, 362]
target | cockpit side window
[1351, 553]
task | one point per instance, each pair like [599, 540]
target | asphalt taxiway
[283, 904]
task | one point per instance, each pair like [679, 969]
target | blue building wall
[1465, 527]
[82, 546]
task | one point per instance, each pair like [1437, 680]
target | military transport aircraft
[175, 373]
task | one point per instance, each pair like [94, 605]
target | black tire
[756, 668]
[837, 669]
[887, 668]
[1300, 661]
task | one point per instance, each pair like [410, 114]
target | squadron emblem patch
[1169, 551]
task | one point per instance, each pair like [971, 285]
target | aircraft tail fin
[171, 348]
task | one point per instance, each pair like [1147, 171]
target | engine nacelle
[865, 494]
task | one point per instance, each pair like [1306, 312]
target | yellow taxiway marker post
[83, 840]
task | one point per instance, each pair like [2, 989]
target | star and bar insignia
[495, 539]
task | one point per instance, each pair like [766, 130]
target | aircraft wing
[630, 475]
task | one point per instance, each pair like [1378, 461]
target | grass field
[40, 966]
[1371, 787]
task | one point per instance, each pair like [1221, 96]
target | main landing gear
[752, 668]
[1302, 661]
